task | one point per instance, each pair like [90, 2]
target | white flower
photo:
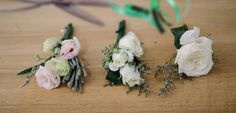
[190, 36]
[113, 67]
[130, 75]
[129, 55]
[131, 43]
[119, 58]
[195, 59]
[50, 43]
[46, 78]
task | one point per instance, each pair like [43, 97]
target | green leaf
[68, 33]
[114, 77]
[178, 32]
[136, 61]
[28, 70]
[121, 31]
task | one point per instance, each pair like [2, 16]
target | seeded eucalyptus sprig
[168, 72]
[143, 88]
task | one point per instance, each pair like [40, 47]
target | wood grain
[22, 35]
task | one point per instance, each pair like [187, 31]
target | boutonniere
[194, 57]
[122, 61]
[63, 66]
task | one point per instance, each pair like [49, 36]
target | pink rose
[70, 48]
[46, 78]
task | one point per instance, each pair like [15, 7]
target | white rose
[130, 75]
[190, 36]
[195, 59]
[131, 43]
[50, 43]
[46, 78]
[113, 67]
[119, 59]
[130, 55]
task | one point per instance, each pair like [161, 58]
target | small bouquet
[62, 67]
[194, 57]
[121, 61]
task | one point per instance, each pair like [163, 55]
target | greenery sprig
[168, 72]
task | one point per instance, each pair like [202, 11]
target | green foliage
[68, 33]
[107, 52]
[169, 72]
[120, 31]
[28, 70]
[114, 77]
[178, 32]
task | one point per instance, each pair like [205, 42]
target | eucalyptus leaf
[178, 32]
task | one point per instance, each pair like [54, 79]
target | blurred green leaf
[28, 70]
[120, 31]
[178, 32]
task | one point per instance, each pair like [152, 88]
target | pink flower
[46, 78]
[70, 48]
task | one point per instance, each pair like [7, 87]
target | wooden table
[23, 33]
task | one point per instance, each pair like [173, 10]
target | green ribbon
[134, 11]
[153, 15]
[129, 10]
[176, 9]
[155, 4]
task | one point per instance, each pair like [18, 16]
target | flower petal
[190, 36]
[130, 56]
[205, 42]
[112, 66]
